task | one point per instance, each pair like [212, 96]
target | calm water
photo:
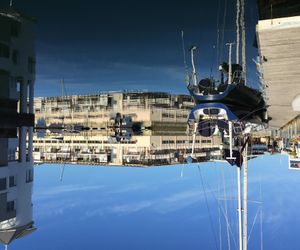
[155, 208]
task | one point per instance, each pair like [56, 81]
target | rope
[206, 202]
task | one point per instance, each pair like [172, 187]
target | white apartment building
[17, 76]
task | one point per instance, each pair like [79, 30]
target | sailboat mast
[238, 171]
[237, 31]
[243, 40]
[245, 198]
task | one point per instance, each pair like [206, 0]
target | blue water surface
[170, 207]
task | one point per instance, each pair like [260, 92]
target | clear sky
[115, 45]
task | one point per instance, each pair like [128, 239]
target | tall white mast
[245, 198]
[243, 40]
[237, 32]
[239, 207]
[11, 3]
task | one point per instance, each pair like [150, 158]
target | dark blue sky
[115, 45]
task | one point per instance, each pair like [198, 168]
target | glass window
[2, 183]
[10, 206]
[31, 65]
[12, 181]
[15, 29]
[15, 56]
[4, 50]
[29, 175]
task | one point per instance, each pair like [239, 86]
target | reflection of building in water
[158, 124]
[155, 110]
[17, 66]
[141, 150]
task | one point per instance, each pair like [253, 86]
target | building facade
[17, 76]
[160, 139]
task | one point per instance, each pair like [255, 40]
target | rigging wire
[261, 217]
[237, 31]
[223, 212]
[219, 212]
[64, 95]
[226, 209]
[184, 57]
[218, 31]
[253, 224]
[207, 206]
[242, 20]
[223, 31]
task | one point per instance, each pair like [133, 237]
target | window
[15, 29]
[2, 183]
[31, 65]
[29, 175]
[10, 206]
[4, 50]
[12, 181]
[15, 56]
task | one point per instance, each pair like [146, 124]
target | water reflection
[118, 128]
[156, 208]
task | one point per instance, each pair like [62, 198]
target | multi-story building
[278, 40]
[161, 138]
[17, 66]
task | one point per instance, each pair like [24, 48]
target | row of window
[184, 141]
[15, 57]
[75, 141]
[12, 182]
[167, 115]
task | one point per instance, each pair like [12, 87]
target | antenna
[193, 65]
[11, 3]
[230, 64]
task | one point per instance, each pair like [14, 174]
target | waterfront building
[17, 76]
[278, 40]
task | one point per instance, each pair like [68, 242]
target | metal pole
[194, 137]
[238, 171]
[237, 32]
[242, 20]
[245, 199]
[229, 63]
